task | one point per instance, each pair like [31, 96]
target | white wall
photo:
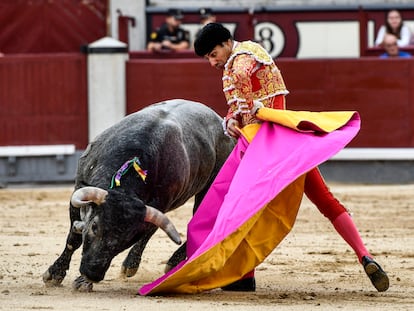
[135, 8]
[328, 39]
[106, 85]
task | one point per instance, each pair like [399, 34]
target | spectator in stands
[206, 16]
[170, 36]
[394, 25]
[391, 47]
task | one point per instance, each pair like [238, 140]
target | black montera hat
[209, 37]
[177, 13]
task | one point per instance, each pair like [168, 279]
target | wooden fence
[381, 90]
[43, 100]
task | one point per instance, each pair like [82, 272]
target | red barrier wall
[150, 81]
[380, 90]
[43, 100]
[44, 26]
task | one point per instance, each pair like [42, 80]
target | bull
[149, 163]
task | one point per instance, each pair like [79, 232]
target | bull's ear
[157, 218]
[85, 195]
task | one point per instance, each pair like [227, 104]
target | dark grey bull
[180, 144]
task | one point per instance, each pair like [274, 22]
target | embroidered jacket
[251, 80]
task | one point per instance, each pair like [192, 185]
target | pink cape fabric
[275, 158]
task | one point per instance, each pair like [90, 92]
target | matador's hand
[233, 128]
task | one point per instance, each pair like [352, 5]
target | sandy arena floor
[313, 268]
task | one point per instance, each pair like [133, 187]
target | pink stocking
[345, 226]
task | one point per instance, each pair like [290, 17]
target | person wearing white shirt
[394, 25]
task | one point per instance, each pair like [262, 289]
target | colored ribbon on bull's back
[253, 202]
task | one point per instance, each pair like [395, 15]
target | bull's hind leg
[55, 274]
[131, 263]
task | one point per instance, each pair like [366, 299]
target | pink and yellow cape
[253, 202]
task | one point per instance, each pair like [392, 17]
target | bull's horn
[157, 218]
[86, 195]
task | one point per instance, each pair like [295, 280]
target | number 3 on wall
[270, 36]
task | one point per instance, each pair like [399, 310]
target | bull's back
[190, 123]
[180, 143]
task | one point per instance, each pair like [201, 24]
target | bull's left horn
[86, 195]
[157, 218]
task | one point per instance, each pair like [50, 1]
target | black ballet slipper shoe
[243, 285]
[375, 273]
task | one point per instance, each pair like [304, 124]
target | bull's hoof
[128, 272]
[52, 280]
[82, 284]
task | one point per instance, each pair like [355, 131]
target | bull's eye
[94, 228]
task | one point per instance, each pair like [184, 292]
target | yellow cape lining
[250, 244]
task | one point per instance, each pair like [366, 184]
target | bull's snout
[94, 271]
[93, 276]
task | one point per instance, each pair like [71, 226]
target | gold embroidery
[251, 75]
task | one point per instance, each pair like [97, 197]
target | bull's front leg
[55, 274]
[179, 255]
[132, 261]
